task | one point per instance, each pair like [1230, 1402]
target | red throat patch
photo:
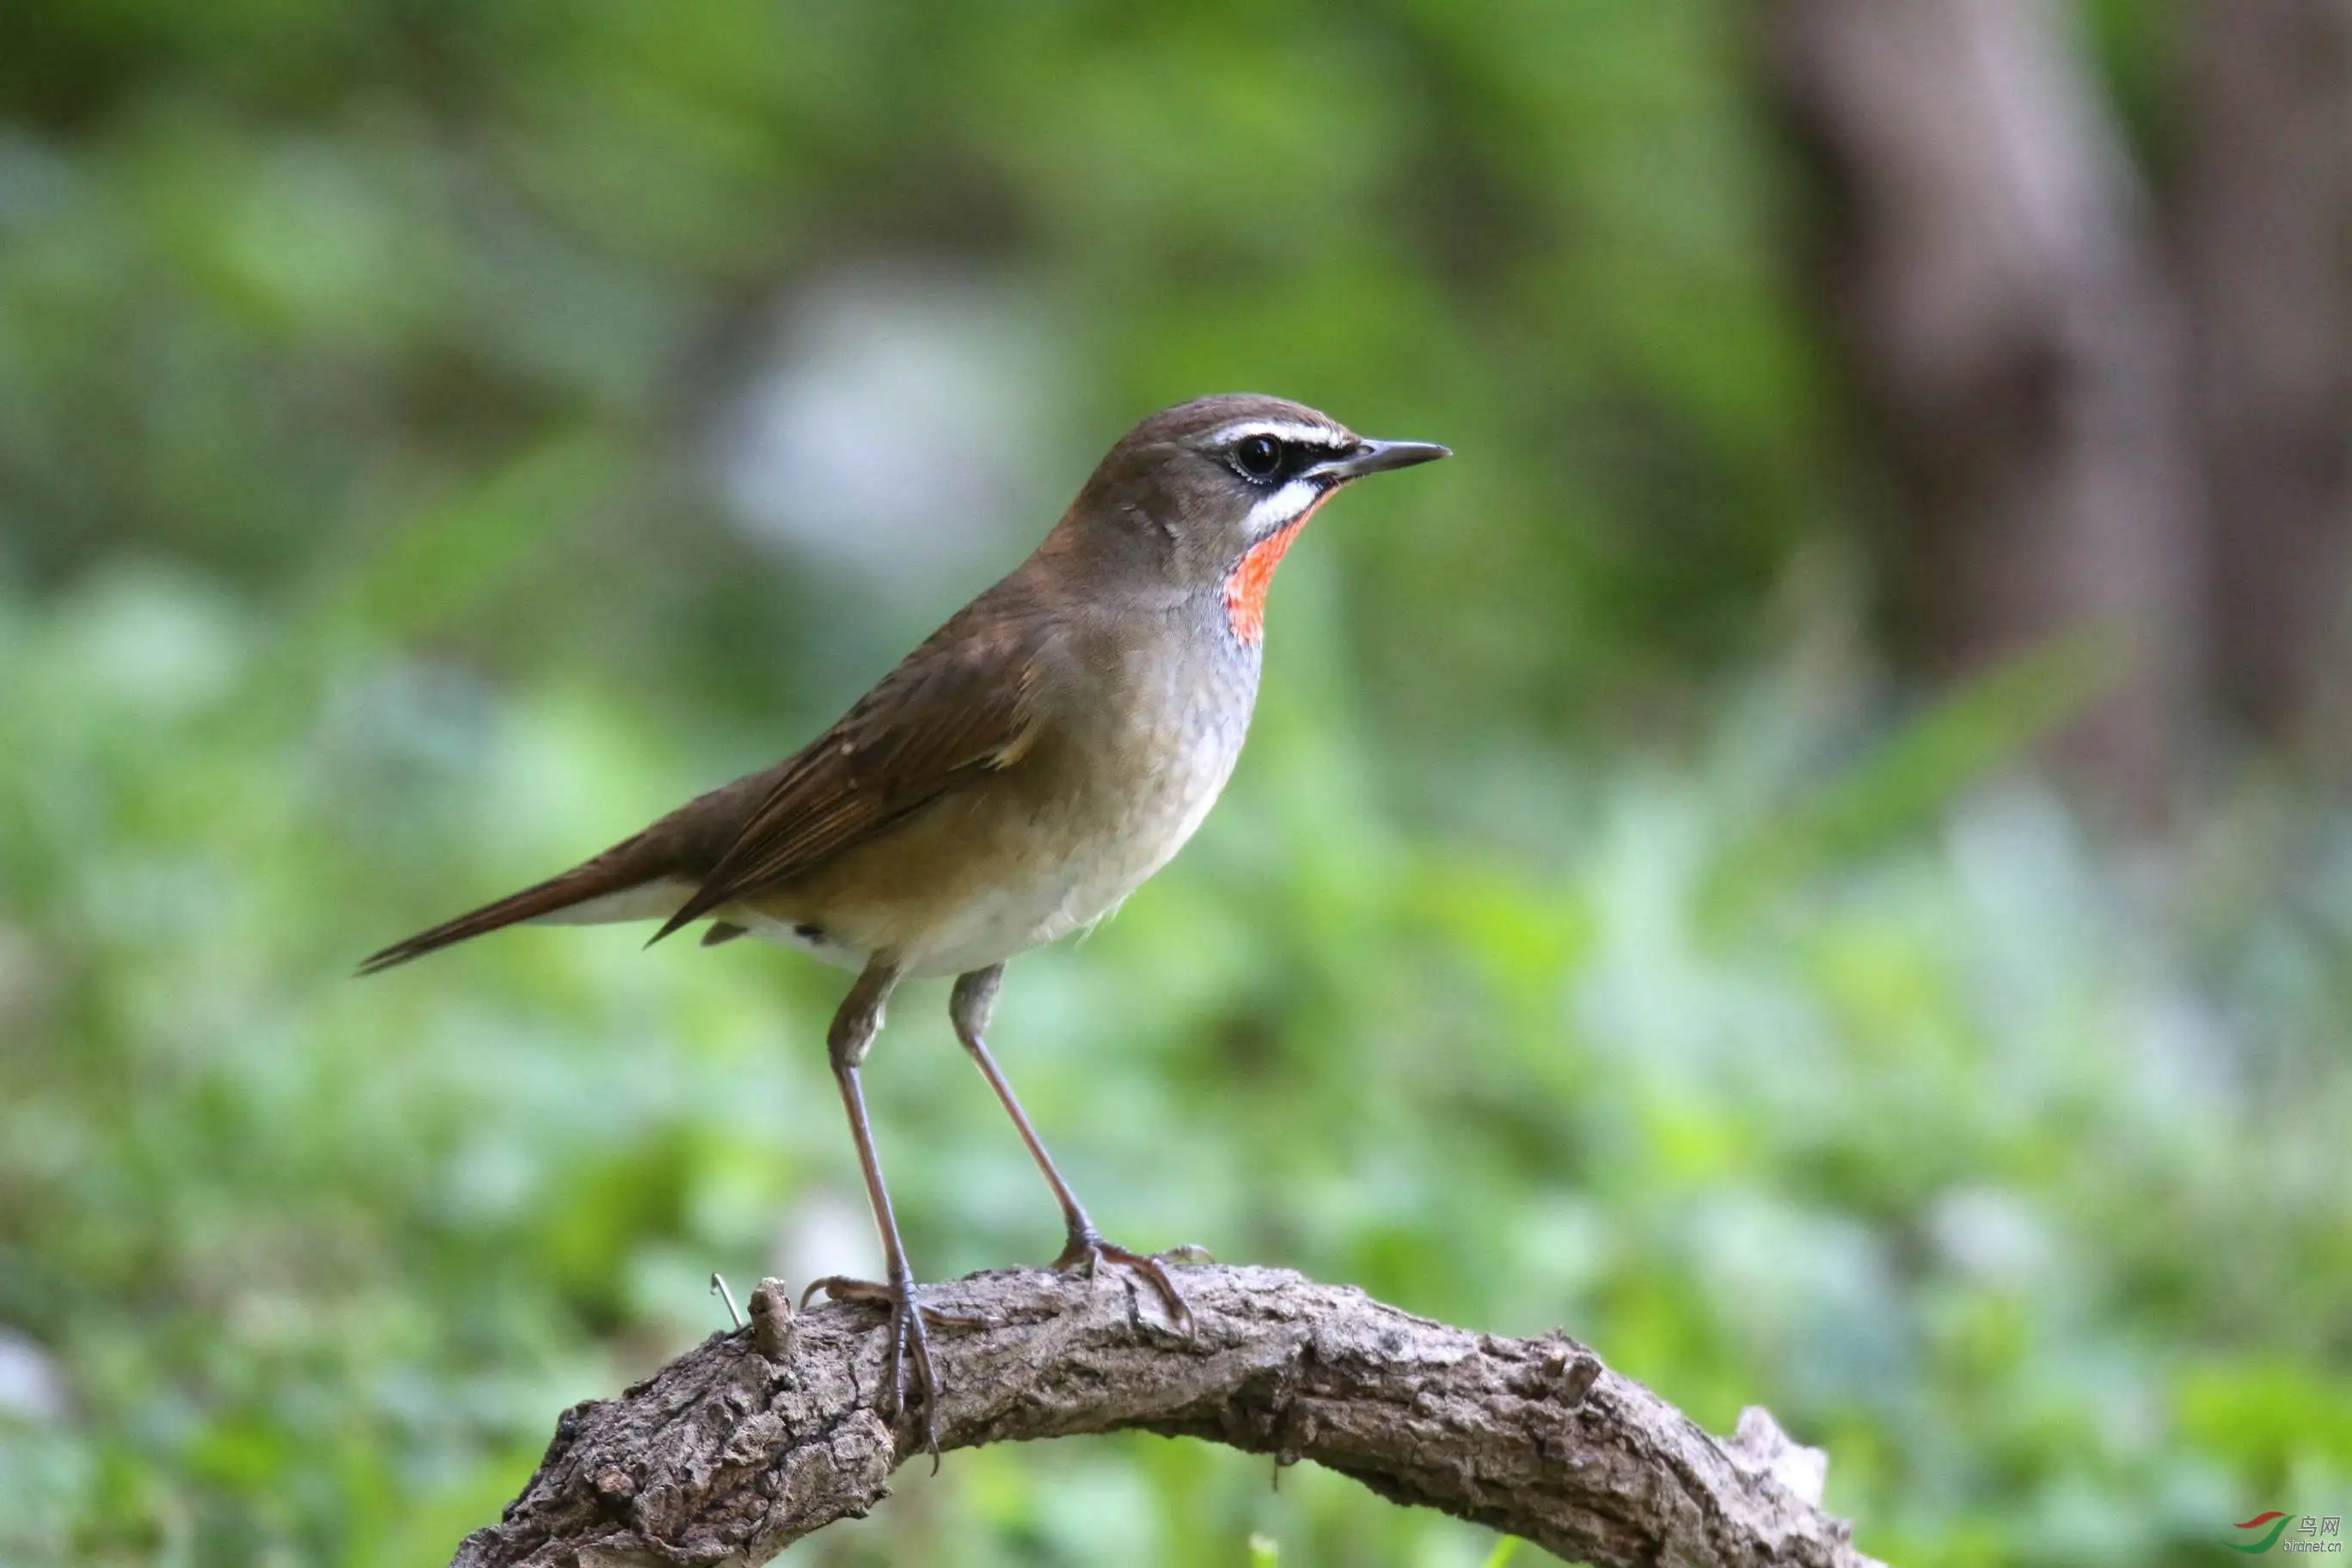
[1254, 574]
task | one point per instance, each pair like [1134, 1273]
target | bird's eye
[1259, 456]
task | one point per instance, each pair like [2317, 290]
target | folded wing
[957, 709]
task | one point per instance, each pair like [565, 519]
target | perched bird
[1011, 782]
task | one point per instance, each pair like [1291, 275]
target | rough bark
[757, 1437]
[1994, 270]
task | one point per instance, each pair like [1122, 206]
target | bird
[1011, 782]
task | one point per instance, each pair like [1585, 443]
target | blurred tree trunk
[1996, 280]
[2265, 220]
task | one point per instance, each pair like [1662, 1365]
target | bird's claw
[1087, 1251]
[874, 1293]
[909, 1346]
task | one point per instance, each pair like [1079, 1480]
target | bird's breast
[1135, 786]
[1154, 782]
[1123, 774]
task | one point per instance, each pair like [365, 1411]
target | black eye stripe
[1264, 458]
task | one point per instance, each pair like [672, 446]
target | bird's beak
[1378, 456]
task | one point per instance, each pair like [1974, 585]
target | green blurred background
[436, 437]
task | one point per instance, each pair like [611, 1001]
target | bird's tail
[616, 886]
[649, 876]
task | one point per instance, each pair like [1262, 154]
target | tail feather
[646, 877]
[599, 878]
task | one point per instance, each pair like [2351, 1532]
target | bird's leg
[969, 1007]
[853, 1029]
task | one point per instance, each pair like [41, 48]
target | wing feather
[958, 708]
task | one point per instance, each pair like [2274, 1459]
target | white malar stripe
[1283, 507]
[1320, 435]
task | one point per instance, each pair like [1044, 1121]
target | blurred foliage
[1591, 936]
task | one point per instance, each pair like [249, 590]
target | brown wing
[957, 709]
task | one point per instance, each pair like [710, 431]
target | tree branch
[755, 1438]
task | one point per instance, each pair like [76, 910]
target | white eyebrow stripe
[1283, 507]
[1322, 436]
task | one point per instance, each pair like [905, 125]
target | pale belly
[1075, 881]
[977, 881]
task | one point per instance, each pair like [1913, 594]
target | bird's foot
[1087, 1251]
[911, 1347]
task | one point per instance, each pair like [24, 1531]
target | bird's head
[1205, 497]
